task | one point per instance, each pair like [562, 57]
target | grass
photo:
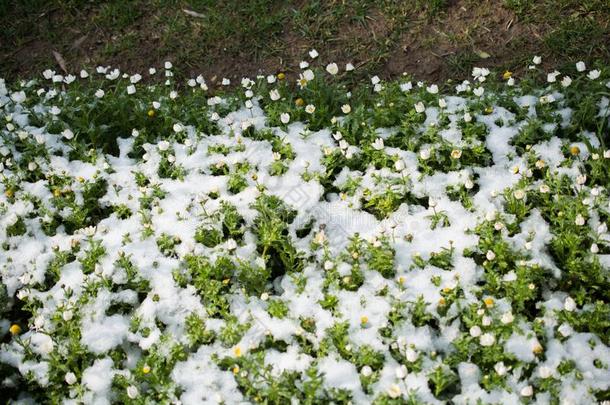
[433, 40]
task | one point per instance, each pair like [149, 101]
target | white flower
[271, 79]
[378, 144]
[264, 296]
[537, 60]
[527, 391]
[231, 244]
[173, 94]
[565, 329]
[249, 94]
[552, 77]
[411, 355]
[405, 87]
[304, 65]
[487, 339]
[424, 154]
[375, 80]
[308, 75]
[433, 89]
[249, 104]
[192, 83]
[313, 54]
[366, 371]
[163, 145]
[545, 372]
[131, 89]
[510, 82]
[566, 81]
[48, 74]
[569, 304]
[507, 318]
[479, 91]
[594, 74]
[349, 67]
[490, 255]
[399, 165]
[274, 95]
[332, 68]
[519, 194]
[67, 315]
[544, 188]
[132, 392]
[285, 118]
[467, 117]
[310, 108]
[580, 66]
[346, 108]
[442, 103]
[156, 105]
[580, 220]
[70, 378]
[225, 81]
[178, 127]
[32, 166]
[394, 391]
[168, 65]
[419, 107]
[99, 93]
[500, 368]
[475, 331]
[68, 134]
[113, 75]
[594, 248]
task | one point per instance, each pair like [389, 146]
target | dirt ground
[431, 40]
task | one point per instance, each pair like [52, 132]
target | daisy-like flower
[566, 81]
[131, 89]
[70, 378]
[475, 331]
[310, 109]
[285, 118]
[490, 255]
[433, 89]
[424, 154]
[552, 77]
[420, 107]
[394, 391]
[163, 146]
[519, 194]
[456, 154]
[346, 108]
[580, 220]
[132, 392]
[99, 93]
[332, 68]
[467, 117]
[487, 339]
[527, 391]
[67, 133]
[349, 67]
[274, 95]
[479, 91]
[580, 66]
[594, 74]
[313, 54]
[378, 144]
[537, 60]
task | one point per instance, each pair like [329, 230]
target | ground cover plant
[308, 240]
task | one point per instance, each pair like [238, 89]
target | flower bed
[331, 241]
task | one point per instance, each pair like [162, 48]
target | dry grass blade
[193, 13]
[60, 61]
